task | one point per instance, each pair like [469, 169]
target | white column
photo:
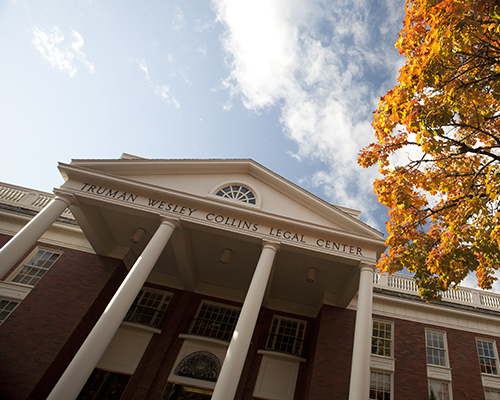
[229, 377]
[16, 247]
[72, 381]
[360, 369]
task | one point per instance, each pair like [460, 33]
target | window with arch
[237, 192]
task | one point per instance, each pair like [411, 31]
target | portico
[187, 225]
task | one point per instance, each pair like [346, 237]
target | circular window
[239, 193]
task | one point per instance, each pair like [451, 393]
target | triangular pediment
[274, 195]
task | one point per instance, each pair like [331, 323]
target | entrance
[174, 391]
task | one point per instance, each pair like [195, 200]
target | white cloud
[202, 51]
[60, 54]
[471, 282]
[204, 25]
[325, 63]
[162, 91]
[178, 22]
[144, 68]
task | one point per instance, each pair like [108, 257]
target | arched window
[237, 192]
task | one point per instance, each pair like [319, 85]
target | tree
[438, 146]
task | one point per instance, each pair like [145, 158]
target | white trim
[25, 260]
[496, 355]
[442, 317]
[439, 373]
[14, 290]
[203, 339]
[382, 363]
[445, 349]
[277, 378]
[450, 389]
[287, 356]
[281, 318]
[490, 381]
[258, 198]
[140, 326]
[391, 323]
[376, 370]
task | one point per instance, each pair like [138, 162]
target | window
[440, 390]
[286, 335]
[491, 394]
[37, 264]
[104, 385]
[436, 348]
[149, 307]
[237, 192]
[487, 356]
[6, 308]
[380, 386]
[215, 320]
[382, 338]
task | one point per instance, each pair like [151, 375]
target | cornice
[158, 192]
[214, 166]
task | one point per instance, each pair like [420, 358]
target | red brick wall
[150, 378]
[330, 363]
[464, 362]
[410, 376]
[41, 336]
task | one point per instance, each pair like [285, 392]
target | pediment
[273, 195]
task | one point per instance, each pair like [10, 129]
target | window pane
[286, 336]
[239, 193]
[215, 321]
[6, 308]
[440, 389]
[492, 394]
[380, 386]
[436, 350]
[382, 338]
[487, 357]
[37, 265]
[149, 307]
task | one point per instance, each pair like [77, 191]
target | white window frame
[30, 268]
[138, 312]
[443, 349]
[495, 392]
[214, 328]
[7, 307]
[273, 342]
[391, 384]
[376, 340]
[494, 358]
[450, 390]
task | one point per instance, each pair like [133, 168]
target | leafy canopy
[438, 146]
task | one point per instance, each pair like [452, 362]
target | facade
[218, 279]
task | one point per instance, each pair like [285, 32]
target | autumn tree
[438, 146]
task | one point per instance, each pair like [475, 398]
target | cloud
[60, 54]
[205, 24]
[162, 91]
[202, 50]
[178, 22]
[325, 64]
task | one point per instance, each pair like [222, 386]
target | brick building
[192, 279]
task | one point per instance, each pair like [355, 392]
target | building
[173, 279]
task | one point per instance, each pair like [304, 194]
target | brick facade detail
[44, 332]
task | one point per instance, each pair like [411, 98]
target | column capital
[69, 199]
[364, 266]
[268, 244]
[172, 222]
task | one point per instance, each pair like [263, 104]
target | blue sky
[291, 84]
